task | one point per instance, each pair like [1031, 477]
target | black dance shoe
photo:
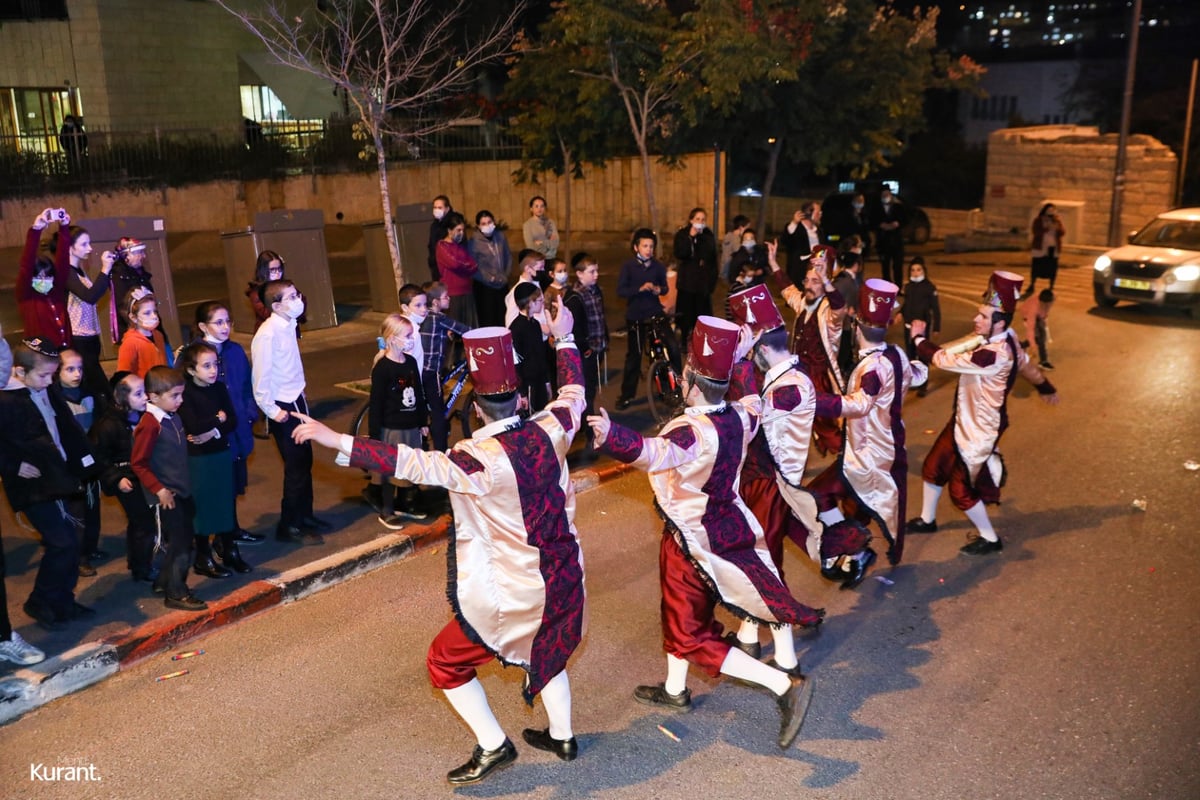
[482, 762]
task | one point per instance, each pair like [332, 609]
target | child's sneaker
[393, 523]
[19, 651]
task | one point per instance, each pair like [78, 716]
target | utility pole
[1118, 190]
[1187, 136]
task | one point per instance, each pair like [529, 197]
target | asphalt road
[1066, 667]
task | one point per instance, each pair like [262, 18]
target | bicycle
[664, 388]
[453, 386]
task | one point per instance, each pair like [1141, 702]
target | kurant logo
[74, 773]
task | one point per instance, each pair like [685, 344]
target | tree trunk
[565, 231]
[385, 198]
[768, 184]
[648, 179]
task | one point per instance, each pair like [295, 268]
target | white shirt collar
[698, 411]
[158, 413]
[783, 366]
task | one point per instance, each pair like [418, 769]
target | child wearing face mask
[41, 286]
[143, 345]
[277, 375]
[397, 413]
[233, 370]
[209, 419]
[560, 280]
[457, 269]
[435, 331]
[489, 247]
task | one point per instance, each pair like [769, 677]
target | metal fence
[106, 160]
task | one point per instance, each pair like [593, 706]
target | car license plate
[1129, 283]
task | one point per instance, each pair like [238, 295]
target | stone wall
[610, 199]
[1072, 166]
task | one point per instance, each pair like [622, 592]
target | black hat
[41, 346]
[524, 291]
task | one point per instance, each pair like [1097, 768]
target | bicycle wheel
[359, 426]
[664, 392]
[467, 415]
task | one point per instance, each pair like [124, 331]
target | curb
[89, 663]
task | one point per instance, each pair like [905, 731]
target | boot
[226, 548]
[204, 564]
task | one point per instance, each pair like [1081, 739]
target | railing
[45, 163]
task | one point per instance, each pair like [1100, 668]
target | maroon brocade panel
[786, 397]
[623, 444]
[729, 533]
[983, 357]
[373, 456]
[871, 383]
[570, 368]
[464, 461]
[538, 472]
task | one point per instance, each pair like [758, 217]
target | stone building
[1073, 166]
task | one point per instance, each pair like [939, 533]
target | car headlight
[1188, 272]
[1102, 264]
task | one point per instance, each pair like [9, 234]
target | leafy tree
[399, 65]
[861, 72]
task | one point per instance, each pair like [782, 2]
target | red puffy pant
[690, 630]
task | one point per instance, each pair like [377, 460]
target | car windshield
[1181, 234]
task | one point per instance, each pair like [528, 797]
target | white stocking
[979, 518]
[748, 632]
[677, 670]
[785, 647]
[556, 697]
[740, 665]
[929, 501]
[471, 703]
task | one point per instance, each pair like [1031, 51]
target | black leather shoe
[792, 707]
[293, 535]
[566, 749]
[659, 696]
[210, 569]
[918, 525]
[981, 547]
[482, 762]
[624, 403]
[244, 536]
[189, 602]
[858, 569]
[44, 616]
[86, 570]
[316, 523]
[793, 672]
[752, 649]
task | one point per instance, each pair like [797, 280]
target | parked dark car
[837, 216]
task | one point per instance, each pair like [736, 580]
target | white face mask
[418, 318]
[43, 285]
[749, 245]
[294, 308]
[698, 226]
[917, 278]
[438, 213]
[408, 346]
[560, 277]
[487, 230]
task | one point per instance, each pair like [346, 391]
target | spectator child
[533, 268]
[44, 458]
[143, 345]
[586, 303]
[643, 280]
[397, 413]
[560, 281]
[919, 300]
[531, 348]
[41, 285]
[489, 247]
[83, 293]
[277, 375]
[129, 270]
[435, 330]
[85, 506]
[233, 370]
[209, 419]
[112, 441]
[13, 646]
[1036, 312]
[268, 267]
[160, 461]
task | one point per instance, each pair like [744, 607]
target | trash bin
[380, 276]
[106, 232]
[241, 252]
[299, 237]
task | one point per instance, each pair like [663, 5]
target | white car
[1160, 265]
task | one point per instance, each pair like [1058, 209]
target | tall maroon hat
[827, 254]
[877, 302]
[1004, 288]
[491, 359]
[755, 307]
[713, 344]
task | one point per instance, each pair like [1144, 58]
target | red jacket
[45, 315]
[138, 354]
[457, 268]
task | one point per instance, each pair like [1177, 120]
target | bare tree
[398, 63]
